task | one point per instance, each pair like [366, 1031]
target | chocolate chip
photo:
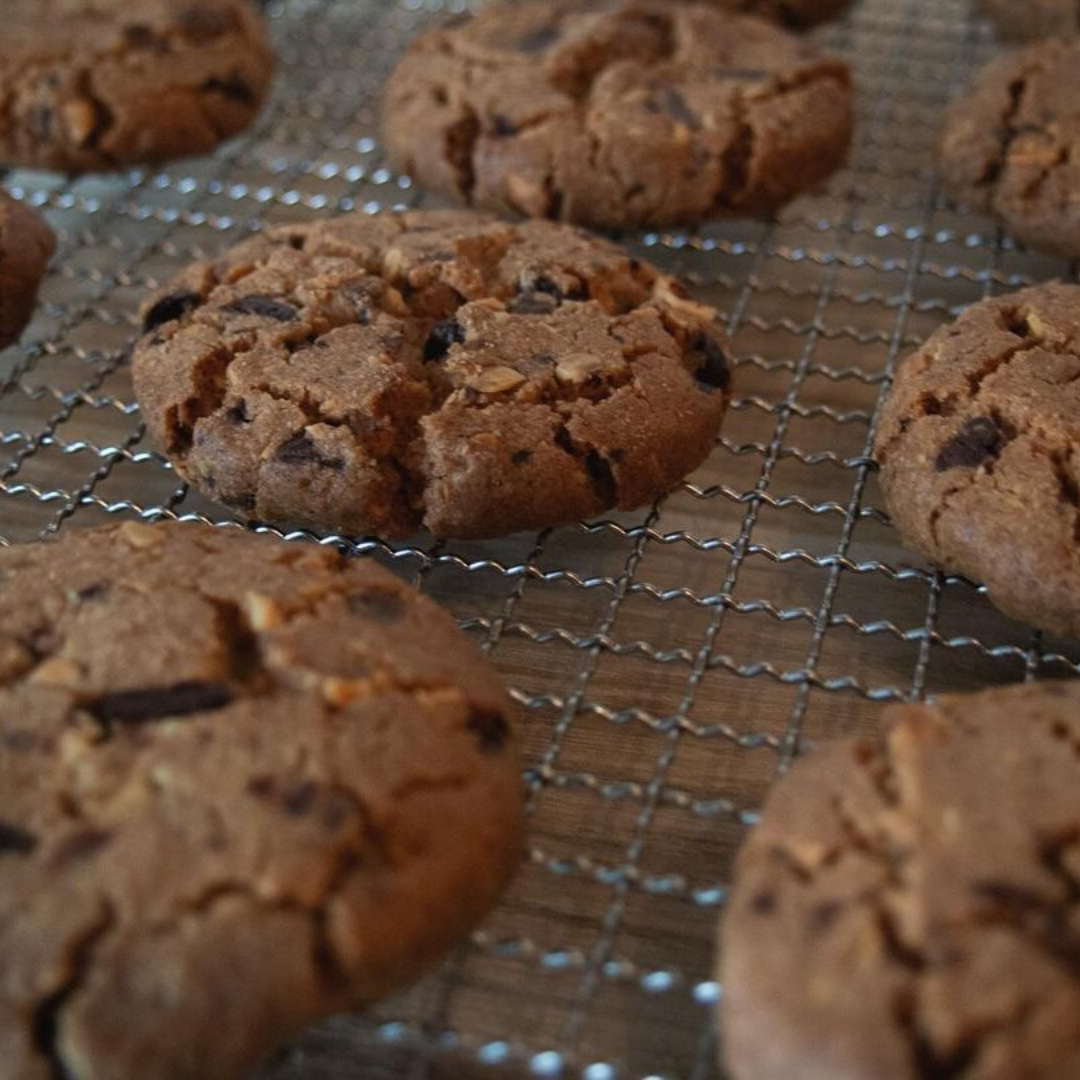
[544, 284]
[564, 441]
[502, 126]
[161, 702]
[714, 371]
[601, 477]
[238, 414]
[264, 306]
[490, 729]
[301, 450]
[980, 439]
[763, 904]
[444, 335]
[533, 303]
[232, 87]
[90, 593]
[170, 308]
[539, 39]
[16, 841]
[519, 457]
[298, 798]
[381, 605]
[82, 844]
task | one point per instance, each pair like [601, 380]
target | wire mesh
[670, 664]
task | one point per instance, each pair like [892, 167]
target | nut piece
[263, 612]
[671, 295]
[341, 692]
[141, 537]
[57, 672]
[496, 380]
[578, 367]
[79, 119]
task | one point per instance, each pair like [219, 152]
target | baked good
[908, 907]
[617, 113]
[243, 784]
[1029, 20]
[979, 447]
[439, 369]
[1011, 145]
[26, 245]
[89, 85]
[794, 13]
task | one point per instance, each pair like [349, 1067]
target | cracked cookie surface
[617, 114]
[1011, 145]
[91, 85]
[437, 369]
[243, 785]
[909, 908]
[1033, 20]
[979, 448]
[26, 245]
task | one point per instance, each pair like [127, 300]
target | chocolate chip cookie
[90, 85]
[26, 245]
[910, 907]
[1011, 145]
[794, 13]
[440, 369]
[617, 113]
[243, 784]
[979, 448]
[1030, 20]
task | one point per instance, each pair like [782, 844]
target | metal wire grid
[670, 663]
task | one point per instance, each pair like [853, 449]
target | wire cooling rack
[670, 663]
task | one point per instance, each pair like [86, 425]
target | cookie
[437, 369]
[619, 114]
[794, 13]
[89, 85]
[26, 245]
[1030, 20]
[979, 448]
[1011, 145]
[907, 908]
[243, 784]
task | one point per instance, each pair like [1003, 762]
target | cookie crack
[48, 1015]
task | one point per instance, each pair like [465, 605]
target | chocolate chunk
[16, 841]
[502, 126]
[538, 40]
[519, 457]
[160, 702]
[564, 441]
[301, 450]
[490, 729]
[533, 303]
[264, 306]
[544, 284]
[714, 371]
[601, 477]
[170, 308]
[233, 87]
[444, 335]
[980, 439]
[379, 605]
[238, 414]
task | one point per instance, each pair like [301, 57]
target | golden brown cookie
[979, 447]
[243, 785]
[909, 907]
[89, 85]
[440, 369]
[26, 245]
[617, 113]
[1011, 145]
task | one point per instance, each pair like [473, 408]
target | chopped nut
[140, 537]
[1035, 326]
[80, 119]
[58, 671]
[342, 692]
[15, 658]
[668, 293]
[263, 612]
[496, 380]
[577, 367]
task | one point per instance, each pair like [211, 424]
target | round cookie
[908, 908]
[26, 245]
[1030, 20]
[243, 785]
[979, 448]
[1011, 145]
[437, 369]
[91, 85]
[794, 13]
[618, 114]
